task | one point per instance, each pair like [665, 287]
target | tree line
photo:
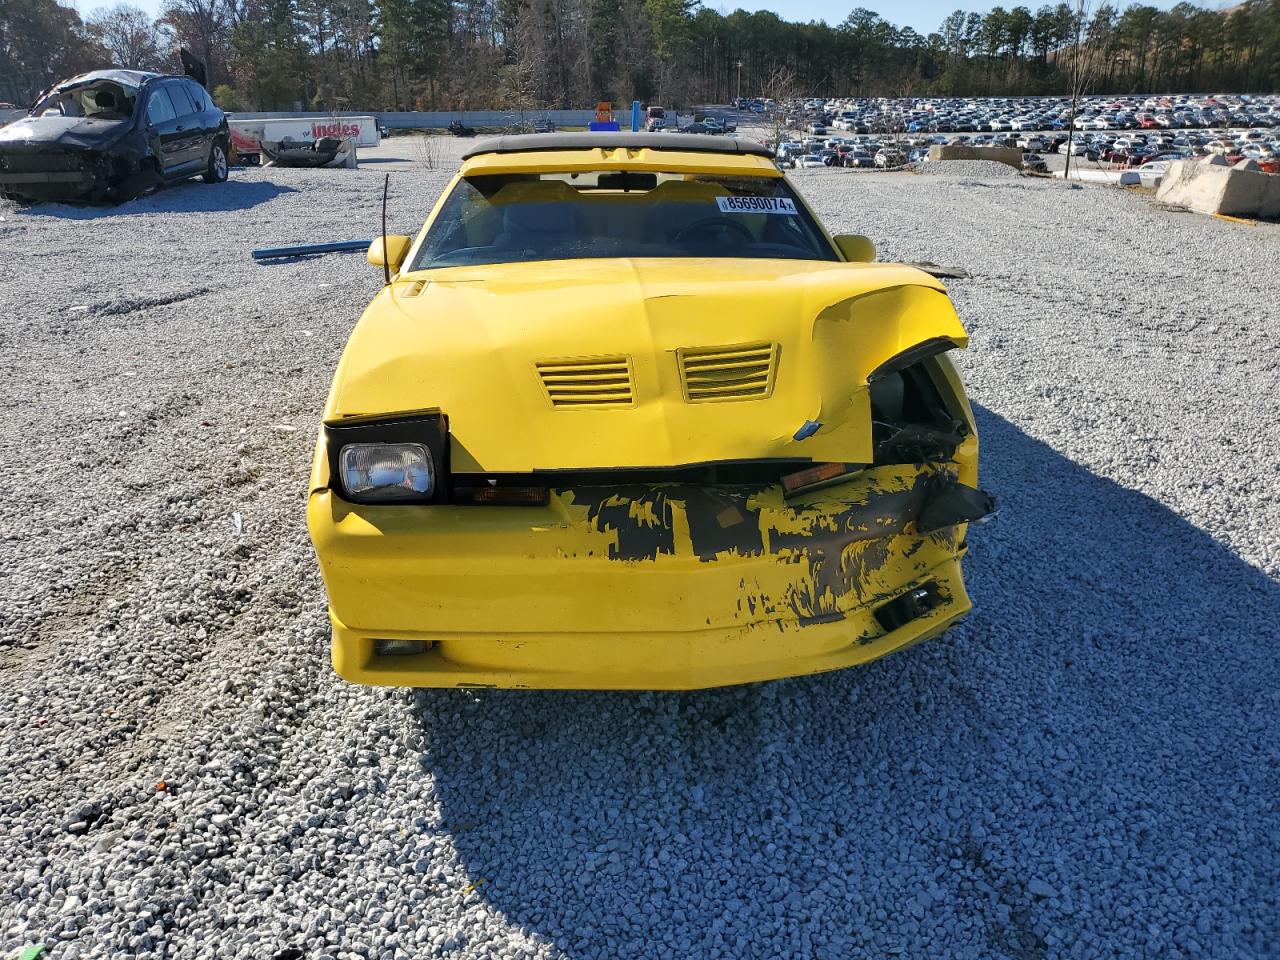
[530, 54]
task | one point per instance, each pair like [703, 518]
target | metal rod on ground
[306, 249]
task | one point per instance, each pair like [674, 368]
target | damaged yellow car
[626, 416]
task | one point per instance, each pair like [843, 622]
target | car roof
[132, 78]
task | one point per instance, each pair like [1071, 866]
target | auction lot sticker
[783, 205]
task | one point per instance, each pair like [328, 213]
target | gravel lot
[1086, 768]
[978, 169]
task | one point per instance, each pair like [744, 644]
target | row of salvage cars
[112, 135]
[624, 415]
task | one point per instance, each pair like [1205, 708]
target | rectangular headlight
[403, 458]
[387, 471]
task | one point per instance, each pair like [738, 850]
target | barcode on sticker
[783, 205]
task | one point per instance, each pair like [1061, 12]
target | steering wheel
[711, 223]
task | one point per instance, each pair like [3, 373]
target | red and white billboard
[247, 135]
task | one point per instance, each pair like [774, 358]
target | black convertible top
[681, 142]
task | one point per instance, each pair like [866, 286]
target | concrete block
[1212, 188]
[1009, 155]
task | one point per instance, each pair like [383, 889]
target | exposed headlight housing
[404, 459]
[387, 471]
[914, 354]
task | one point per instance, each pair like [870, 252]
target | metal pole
[308, 249]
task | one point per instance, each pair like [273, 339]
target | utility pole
[739, 65]
[1081, 51]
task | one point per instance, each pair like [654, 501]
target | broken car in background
[112, 135]
[258, 140]
[325, 152]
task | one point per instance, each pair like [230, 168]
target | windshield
[509, 218]
[101, 99]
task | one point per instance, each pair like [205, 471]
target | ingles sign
[342, 129]
[248, 134]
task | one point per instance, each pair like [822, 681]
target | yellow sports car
[626, 416]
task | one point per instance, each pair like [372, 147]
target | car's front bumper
[653, 586]
[52, 174]
[63, 174]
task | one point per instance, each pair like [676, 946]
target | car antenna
[386, 268]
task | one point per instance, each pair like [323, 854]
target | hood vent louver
[587, 382]
[742, 371]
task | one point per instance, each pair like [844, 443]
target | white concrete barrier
[1212, 188]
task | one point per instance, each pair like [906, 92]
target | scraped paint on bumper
[657, 586]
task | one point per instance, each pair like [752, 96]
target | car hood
[490, 346]
[73, 132]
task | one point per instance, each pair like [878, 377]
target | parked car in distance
[1035, 163]
[1152, 173]
[110, 135]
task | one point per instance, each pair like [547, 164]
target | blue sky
[921, 15]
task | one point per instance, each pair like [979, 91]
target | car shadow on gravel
[1083, 768]
[189, 197]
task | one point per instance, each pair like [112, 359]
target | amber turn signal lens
[503, 496]
[822, 473]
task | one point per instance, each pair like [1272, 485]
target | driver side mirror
[856, 248]
[392, 254]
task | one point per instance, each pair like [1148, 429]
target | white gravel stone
[1085, 768]
[969, 169]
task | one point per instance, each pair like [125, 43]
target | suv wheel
[217, 171]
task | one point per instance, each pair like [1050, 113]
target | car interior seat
[537, 225]
[677, 204]
[537, 214]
